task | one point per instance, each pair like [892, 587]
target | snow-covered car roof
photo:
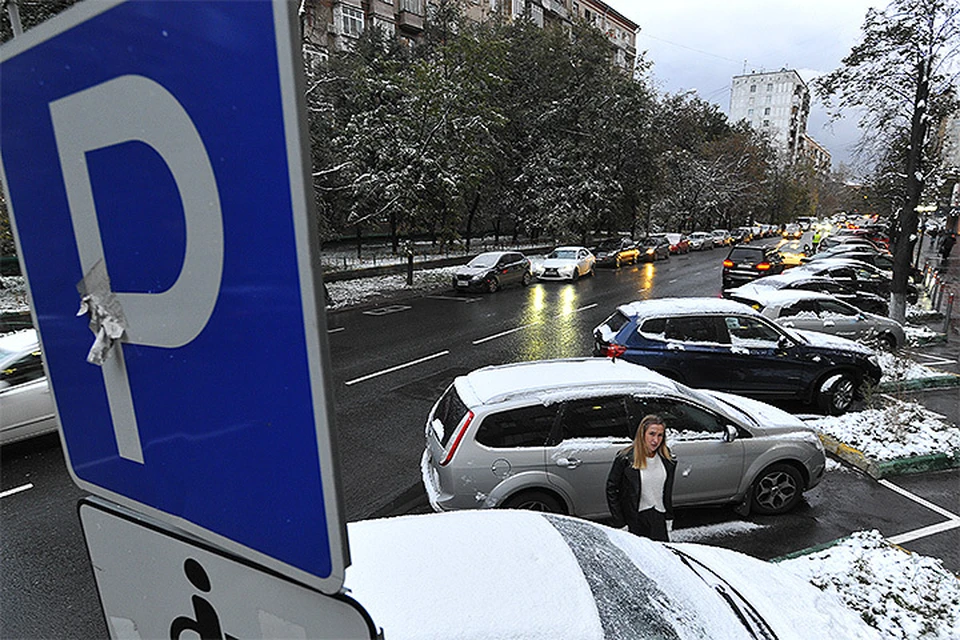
[682, 306]
[839, 261]
[570, 249]
[17, 342]
[493, 384]
[774, 296]
[521, 574]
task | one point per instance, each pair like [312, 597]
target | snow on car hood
[831, 341]
[467, 270]
[767, 417]
[554, 263]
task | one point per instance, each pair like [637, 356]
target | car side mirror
[729, 433]
[784, 343]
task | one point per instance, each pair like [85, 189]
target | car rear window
[746, 254]
[524, 427]
[616, 321]
[450, 411]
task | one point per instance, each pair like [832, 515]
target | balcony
[410, 16]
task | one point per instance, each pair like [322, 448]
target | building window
[412, 6]
[770, 87]
[750, 112]
[753, 88]
[766, 111]
[769, 99]
[351, 21]
[766, 123]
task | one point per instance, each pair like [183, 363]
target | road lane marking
[454, 298]
[397, 368]
[382, 311]
[919, 500]
[933, 529]
[672, 281]
[505, 333]
[573, 311]
[336, 330]
[15, 490]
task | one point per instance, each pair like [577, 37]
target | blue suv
[720, 344]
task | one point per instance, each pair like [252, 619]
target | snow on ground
[900, 369]
[347, 293]
[13, 294]
[901, 594]
[919, 335]
[898, 430]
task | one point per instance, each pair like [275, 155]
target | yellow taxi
[793, 252]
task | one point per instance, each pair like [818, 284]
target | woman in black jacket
[640, 484]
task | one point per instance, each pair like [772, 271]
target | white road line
[920, 501]
[10, 492]
[933, 529]
[589, 306]
[504, 333]
[397, 368]
[336, 330]
[672, 281]
[455, 298]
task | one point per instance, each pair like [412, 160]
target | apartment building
[776, 102]
[816, 154]
[331, 25]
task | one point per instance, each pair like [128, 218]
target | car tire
[576, 274]
[493, 285]
[777, 489]
[836, 394]
[888, 341]
[534, 500]
[527, 279]
[616, 262]
[593, 270]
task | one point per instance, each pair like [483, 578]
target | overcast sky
[701, 44]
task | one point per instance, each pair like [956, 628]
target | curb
[814, 549]
[919, 384]
[926, 340]
[898, 466]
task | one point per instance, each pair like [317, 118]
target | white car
[26, 406]
[566, 263]
[522, 574]
[701, 240]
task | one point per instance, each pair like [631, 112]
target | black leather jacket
[623, 489]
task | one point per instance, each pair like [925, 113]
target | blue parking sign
[153, 159]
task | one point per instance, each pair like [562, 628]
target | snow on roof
[683, 306]
[493, 384]
[772, 295]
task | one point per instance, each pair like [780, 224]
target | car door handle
[569, 463]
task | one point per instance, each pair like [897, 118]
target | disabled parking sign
[153, 159]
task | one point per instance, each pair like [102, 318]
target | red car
[679, 243]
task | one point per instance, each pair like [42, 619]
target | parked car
[543, 435]
[745, 263]
[822, 312]
[614, 252]
[701, 240]
[858, 275]
[799, 280]
[882, 260]
[519, 574]
[853, 241]
[679, 243]
[492, 271]
[742, 235]
[793, 231]
[566, 263]
[721, 237]
[654, 247]
[720, 344]
[26, 405]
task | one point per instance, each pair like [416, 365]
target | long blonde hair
[639, 445]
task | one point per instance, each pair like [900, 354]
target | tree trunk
[903, 250]
[470, 217]
[394, 238]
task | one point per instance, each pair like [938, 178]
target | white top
[652, 480]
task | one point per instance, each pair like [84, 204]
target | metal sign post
[154, 157]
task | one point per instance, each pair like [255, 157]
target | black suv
[745, 263]
[720, 344]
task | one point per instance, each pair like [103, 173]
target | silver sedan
[26, 406]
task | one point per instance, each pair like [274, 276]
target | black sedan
[614, 252]
[492, 270]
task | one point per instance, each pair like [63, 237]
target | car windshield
[484, 260]
[652, 240]
[608, 245]
[563, 254]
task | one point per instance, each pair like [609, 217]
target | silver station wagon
[542, 435]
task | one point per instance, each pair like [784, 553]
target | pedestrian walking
[816, 239]
[946, 245]
[640, 483]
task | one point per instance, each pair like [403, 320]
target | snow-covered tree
[901, 77]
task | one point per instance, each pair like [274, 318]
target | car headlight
[477, 277]
[537, 269]
[650, 251]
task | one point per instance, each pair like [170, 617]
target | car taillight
[613, 350]
[763, 266]
[728, 263]
[456, 440]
